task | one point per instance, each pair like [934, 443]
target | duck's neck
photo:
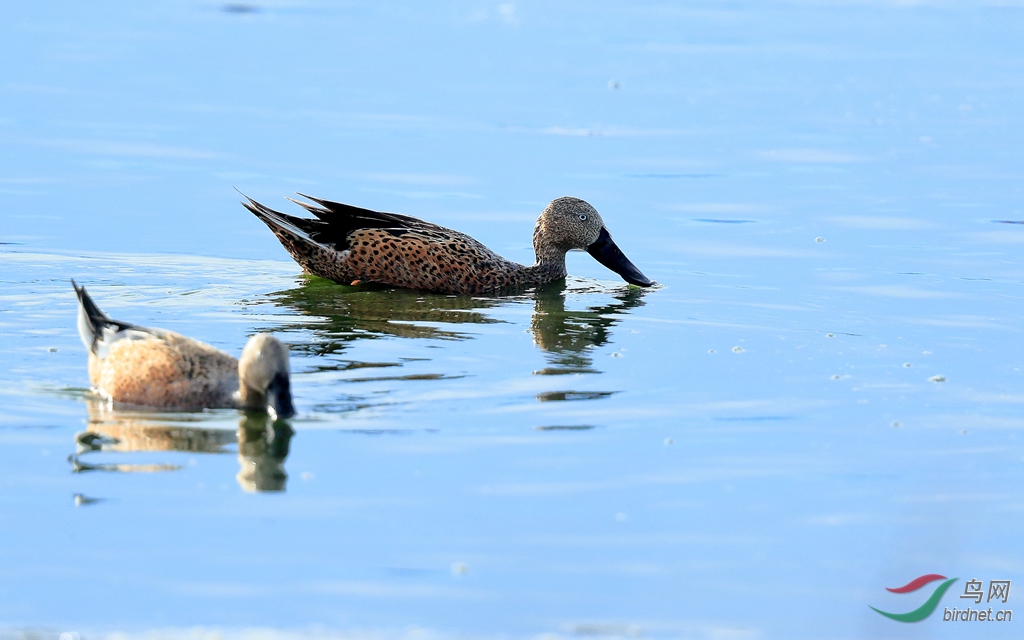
[249, 399]
[550, 264]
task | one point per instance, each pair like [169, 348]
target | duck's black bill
[279, 396]
[608, 253]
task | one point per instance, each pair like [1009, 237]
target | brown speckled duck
[352, 246]
[161, 369]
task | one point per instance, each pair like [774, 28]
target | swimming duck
[352, 246]
[165, 370]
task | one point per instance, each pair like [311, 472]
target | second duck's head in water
[263, 376]
[571, 224]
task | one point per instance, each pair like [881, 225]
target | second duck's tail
[93, 324]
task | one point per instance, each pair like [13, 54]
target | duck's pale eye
[583, 217]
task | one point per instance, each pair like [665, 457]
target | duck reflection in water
[570, 336]
[346, 314]
[263, 443]
[262, 448]
[368, 312]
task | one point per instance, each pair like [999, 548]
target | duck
[352, 246]
[164, 370]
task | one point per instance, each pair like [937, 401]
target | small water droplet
[830, 335]
[738, 349]
[896, 423]
[819, 239]
[460, 568]
[711, 351]
[52, 349]
[669, 441]
[937, 379]
[907, 365]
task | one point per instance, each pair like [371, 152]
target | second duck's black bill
[279, 396]
[608, 253]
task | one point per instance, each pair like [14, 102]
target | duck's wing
[335, 221]
[98, 330]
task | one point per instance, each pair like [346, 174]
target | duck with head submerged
[161, 369]
[352, 246]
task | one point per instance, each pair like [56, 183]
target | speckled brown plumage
[352, 245]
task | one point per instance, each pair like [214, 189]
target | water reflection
[262, 448]
[327, 318]
[346, 314]
[263, 443]
[359, 313]
[568, 336]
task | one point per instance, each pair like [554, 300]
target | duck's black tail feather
[92, 322]
[302, 229]
[337, 213]
[334, 221]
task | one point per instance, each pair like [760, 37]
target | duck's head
[569, 224]
[263, 382]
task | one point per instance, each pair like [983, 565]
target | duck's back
[165, 370]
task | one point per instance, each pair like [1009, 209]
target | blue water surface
[821, 399]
